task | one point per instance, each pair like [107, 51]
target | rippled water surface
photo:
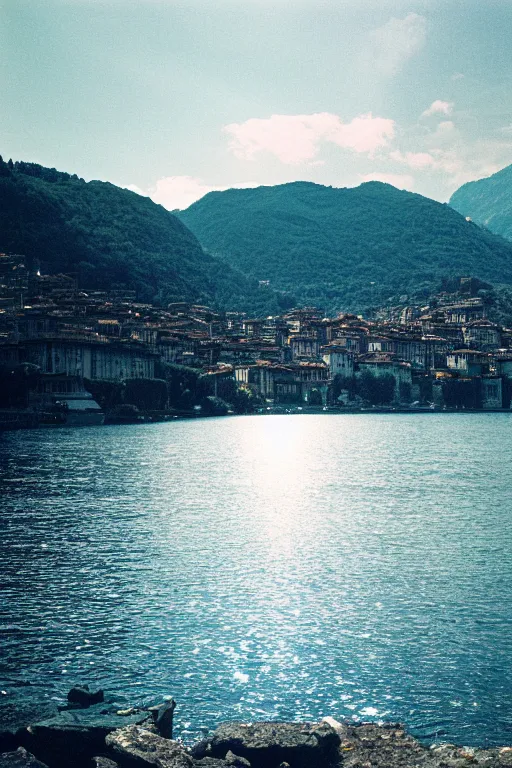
[265, 567]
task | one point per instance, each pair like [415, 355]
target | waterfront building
[89, 357]
[339, 360]
[468, 361]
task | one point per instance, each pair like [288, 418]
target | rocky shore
[85, 735]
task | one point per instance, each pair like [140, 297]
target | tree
[342, 384]
[462, 393]
[376, 390]
[213, 406]
[146, 394]
[315, 397]
[404, 389]
[16, 382]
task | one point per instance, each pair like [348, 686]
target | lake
[265, 567]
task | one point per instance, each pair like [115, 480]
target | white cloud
[136, 189]
[296, 139]
[395, 42]
[438, 107]
[418, 161]
[178, 192]
[399, 180]
[445, 134]
[457, 76]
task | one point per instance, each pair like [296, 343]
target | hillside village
[105, 352]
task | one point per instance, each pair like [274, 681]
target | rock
[136, 746]
[201, 749]
[104, 762]
[80, 733]
[20, 759]
[269, 744]
[162, 718]
[337, 726]
[8, 741]
[230, 761]
[83, 697]
[236, 761]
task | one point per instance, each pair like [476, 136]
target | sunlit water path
[283, 567]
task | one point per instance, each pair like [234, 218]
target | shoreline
[21, 420]
[96, 737]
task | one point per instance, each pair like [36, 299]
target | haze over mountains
[488, 202]
[345, 247]
[335, 248]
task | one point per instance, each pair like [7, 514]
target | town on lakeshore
[69, 355]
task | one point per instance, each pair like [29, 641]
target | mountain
[488, 202]
[111, 236]
[345, 248]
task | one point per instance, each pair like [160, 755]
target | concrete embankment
[94, 737]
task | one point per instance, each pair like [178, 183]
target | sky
[174, 98]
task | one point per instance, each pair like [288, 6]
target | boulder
[8, 741]
[266, 745]
[236, 761]
[80, 733]
[81, 696]
[201, 749]
[137, 747]
[20, 759]
[162, 718]
[230, 761]
[104, 762]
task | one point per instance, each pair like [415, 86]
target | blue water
[283, 567]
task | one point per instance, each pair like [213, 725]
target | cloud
[457, 76]
[178, 192]
[391, 45]
[296, 139]
[438, 107]
[418, 161]
[136, 189]
[445, 134]
[399, 180]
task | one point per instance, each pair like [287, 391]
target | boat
[63, 400]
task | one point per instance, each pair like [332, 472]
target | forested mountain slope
[108, 236]
[488, 202]
[328, 245]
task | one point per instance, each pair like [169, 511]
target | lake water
[266, 567]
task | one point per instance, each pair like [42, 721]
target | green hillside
[488, 202]
[110, 236]
[327, 246]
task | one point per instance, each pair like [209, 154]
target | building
[339, 360]
[470, 362]
[86, 357]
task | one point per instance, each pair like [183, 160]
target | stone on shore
[8, 741]
[138, 747]
[83, 697]
[162, 718]
[230, 761]
[80, 733]
[390, 746]
[20, 758]
[267, 745]
[104, 762]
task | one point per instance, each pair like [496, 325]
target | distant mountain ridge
[108, 235]
[488, 202]
[345, 248]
